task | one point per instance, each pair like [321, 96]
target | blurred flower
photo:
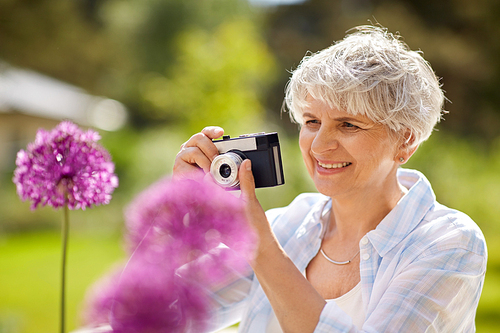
[189, 218]
[148, 297]
[65, 162]
[173, 224]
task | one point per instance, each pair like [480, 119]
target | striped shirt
[422, 269]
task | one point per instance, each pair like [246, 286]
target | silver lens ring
[224, 169]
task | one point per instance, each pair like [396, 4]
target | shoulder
[455, 229]
[446, 229]
[434, 226]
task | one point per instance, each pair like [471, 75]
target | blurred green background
[180, 65]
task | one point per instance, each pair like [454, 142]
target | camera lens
[225, 170]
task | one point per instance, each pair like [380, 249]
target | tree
[217, 79]
[56, 38]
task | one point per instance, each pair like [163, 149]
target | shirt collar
[317, 215]
[407, 214]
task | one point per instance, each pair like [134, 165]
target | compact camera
[263, 149]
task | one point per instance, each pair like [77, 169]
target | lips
[334, 165]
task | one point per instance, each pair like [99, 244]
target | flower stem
[65, 229]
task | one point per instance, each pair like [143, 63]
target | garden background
[180, 65]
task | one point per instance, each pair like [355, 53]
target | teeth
[334, 166]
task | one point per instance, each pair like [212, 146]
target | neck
[354, 215]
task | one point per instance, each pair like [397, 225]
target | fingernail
[249, 165]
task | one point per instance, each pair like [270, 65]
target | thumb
[247, 181]
[253, 210]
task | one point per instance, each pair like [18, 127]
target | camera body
[263, 149]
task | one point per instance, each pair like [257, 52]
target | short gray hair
[373, 73]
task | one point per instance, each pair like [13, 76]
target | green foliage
[162, 21]
[190, 62]
[148, 156]
[487, 319]
[54, 37]
[218, 79]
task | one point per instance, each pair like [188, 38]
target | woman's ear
[407, 147]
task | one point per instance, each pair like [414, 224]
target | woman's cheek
[305, 148]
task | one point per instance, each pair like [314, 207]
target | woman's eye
[349, 125]
[312, 122]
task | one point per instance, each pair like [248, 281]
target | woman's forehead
[319, 107]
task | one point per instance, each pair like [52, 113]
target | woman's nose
[324, 141]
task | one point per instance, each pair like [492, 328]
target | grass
[30, 278]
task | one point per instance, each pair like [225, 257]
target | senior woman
[373, 251]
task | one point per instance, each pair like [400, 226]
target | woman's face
[347, 155]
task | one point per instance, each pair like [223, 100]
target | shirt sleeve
[437, 292]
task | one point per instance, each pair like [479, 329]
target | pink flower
[174, 224]
[65, 168]
[189, 218]
[65, 162]
[148, 297]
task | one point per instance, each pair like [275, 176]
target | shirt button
[364, 240]
[366, 256]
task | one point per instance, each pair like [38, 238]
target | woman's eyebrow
[308, 114]
[338, 119]
[349, 119]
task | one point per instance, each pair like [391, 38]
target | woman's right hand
[196, 154]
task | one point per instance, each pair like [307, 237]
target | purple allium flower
[190, 218]
[147, 297]
[175, 232]
[65, 162]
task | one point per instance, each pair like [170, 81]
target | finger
[187, 171]
[204, 144]
[194, 158]
[213, 132]
[247, 181]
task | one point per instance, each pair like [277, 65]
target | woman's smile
[334, 165]
[330, 168]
